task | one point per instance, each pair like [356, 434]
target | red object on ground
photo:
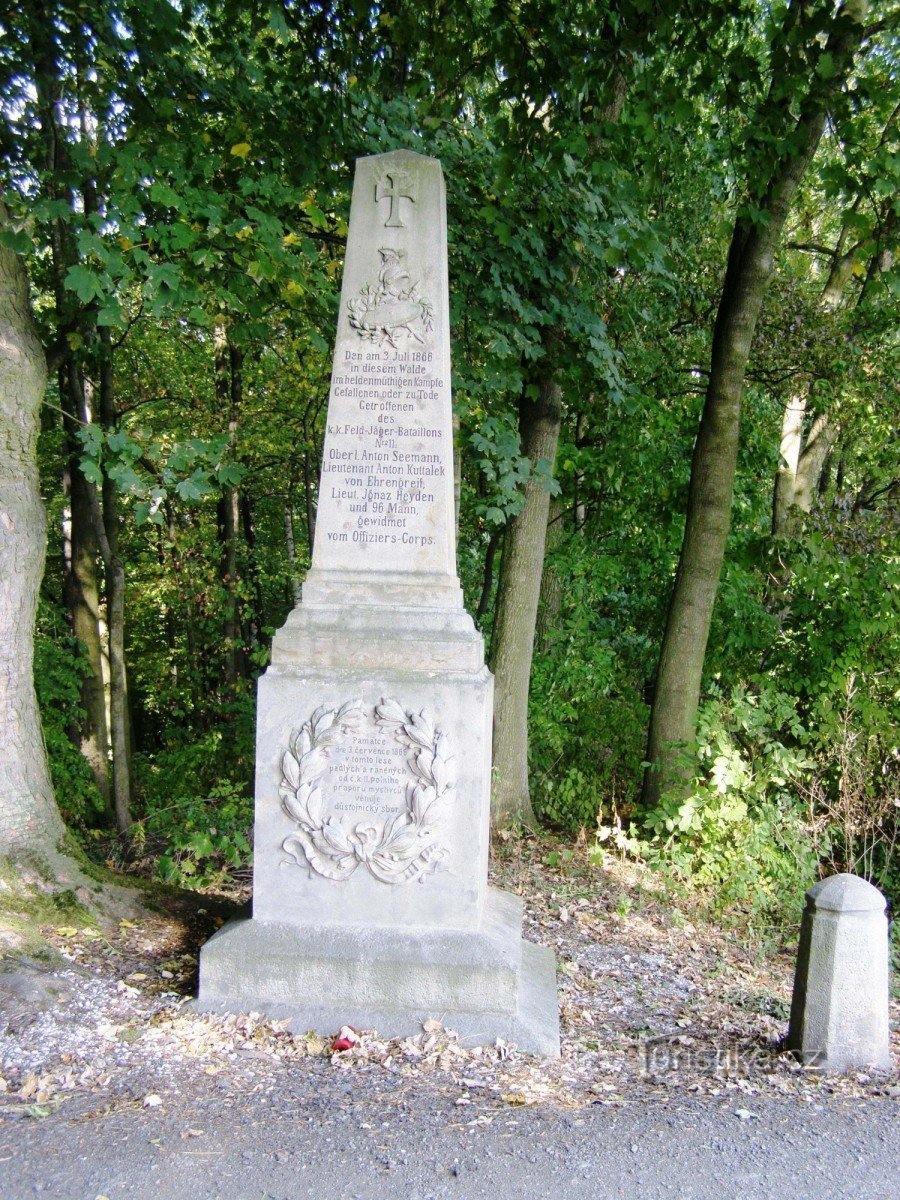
[346, 1039]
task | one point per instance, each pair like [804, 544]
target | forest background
[672, 233]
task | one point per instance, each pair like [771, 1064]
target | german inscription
[382, 465]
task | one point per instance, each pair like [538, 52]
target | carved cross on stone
[396, 189]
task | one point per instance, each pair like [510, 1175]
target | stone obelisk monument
[371, 905]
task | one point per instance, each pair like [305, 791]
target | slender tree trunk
[29, 818]
[105, 524]
[81, 585]
[516, 612]
[187, 607]
[673, 719]
[229, 383]
[290, 545]
[521, 568]
[487, 581]
[580, 511]
[83, 602]
[786, 479]
[550, 602]
[169, 621]
[793, 495]
[310, 477]
[82, 595]
[105, 514]
[248, 525]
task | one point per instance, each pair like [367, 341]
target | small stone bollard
[839, 1011]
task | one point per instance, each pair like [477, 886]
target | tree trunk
[516, 613]
[311, 457]
[81, 588]
[105, 514]
[487, 579]
[83, 603]
[794, 496]
[815, 453]
[786, 479]
[82, 596]
[673, 719]
[522, 564]
[255, 619]
[290, 545]
[29, 818]
[550, 602]
[579, 508]
[229, 383]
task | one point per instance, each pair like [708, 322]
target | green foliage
[595, 157]
[189, 470]
[503, 468]
[59, 669]
[742, 835]
[208, 838]
[198, 810]
[587, 716]
[798, 770]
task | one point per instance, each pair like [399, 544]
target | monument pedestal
[373, 753]
[368, 912]
[485, 983]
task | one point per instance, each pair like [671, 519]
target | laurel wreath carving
[399, 850]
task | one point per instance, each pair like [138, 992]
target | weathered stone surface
[839, 1012]
[386, 504]
[381, 856]
[373, 762]
[485, 984]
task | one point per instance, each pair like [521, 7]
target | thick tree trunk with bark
[519, 589]
[29, 818]
[673, 719]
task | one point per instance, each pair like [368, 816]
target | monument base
[484, 984]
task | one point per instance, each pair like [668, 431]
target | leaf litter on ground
[652, 1004]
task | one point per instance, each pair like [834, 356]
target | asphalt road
[320, 1137]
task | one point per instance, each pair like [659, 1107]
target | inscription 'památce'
[346, 767]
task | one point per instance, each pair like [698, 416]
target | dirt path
[671, 1081]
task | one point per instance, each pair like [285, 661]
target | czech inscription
[352, 762]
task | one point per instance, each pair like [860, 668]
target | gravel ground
[671, 1081]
